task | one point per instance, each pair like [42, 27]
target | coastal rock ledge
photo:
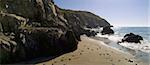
[37, 28]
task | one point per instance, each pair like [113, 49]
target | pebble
[69, 59]
[130, 61]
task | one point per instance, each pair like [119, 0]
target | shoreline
[94, 52]
[138, 54]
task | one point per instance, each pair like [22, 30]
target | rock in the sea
[107, 30]
[90, 33]
[132, 38]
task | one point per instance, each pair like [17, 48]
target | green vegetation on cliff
[85, 18]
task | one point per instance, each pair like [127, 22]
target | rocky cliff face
[83, 18]
[36, 28]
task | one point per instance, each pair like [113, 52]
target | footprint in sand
[97, 48]
[69, 59]
[55, 62]
[80, 53]
[119, 60]
[100, 54]
[113, 64]
[111, 51]
[61, 60]
[111, 60]
[92, 50]
[104, 54]
[107, 54]
[72, 55]
[126, 59]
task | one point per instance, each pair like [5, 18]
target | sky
[116, 12]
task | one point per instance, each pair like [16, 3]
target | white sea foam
[144, 46]
[114, 38]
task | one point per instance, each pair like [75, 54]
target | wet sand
[94, 52]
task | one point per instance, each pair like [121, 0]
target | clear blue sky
[116, 12]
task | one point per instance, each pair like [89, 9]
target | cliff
[35, 28]
[84, 18]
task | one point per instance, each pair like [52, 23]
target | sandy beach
[94, 52]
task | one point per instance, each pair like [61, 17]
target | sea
[139, 50]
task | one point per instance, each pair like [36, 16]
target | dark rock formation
[107, 30]
[78, 20]
[37, 28]
[90, 33]
[132, 38]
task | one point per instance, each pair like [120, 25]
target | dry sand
[94, 52]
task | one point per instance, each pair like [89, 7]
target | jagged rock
[80, 19]
[90, 33]
[132, 38]
[93, 33]
[67, 45]
[7, 48]
[8, 23]
[107, 30]
[23, 8]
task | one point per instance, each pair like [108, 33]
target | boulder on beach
[131, 37]
[107, 30]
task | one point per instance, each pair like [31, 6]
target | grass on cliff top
[82, 13]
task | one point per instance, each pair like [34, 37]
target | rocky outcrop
[132, 38]
[86, 19]
[37, 28]
[107, 30]
[78, 20]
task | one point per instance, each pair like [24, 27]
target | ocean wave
[144, 46]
